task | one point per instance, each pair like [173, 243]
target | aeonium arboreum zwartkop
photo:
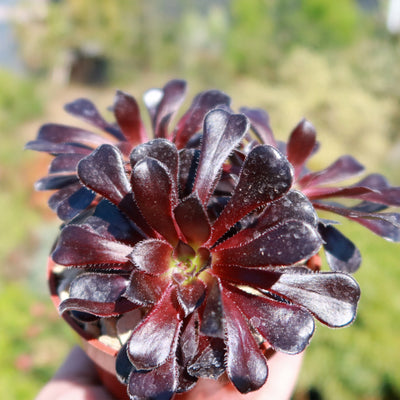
[195, 244]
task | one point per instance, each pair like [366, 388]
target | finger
[76, 379]
[77, 367]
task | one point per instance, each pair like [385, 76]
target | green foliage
[33, 342]
[316, 23]
[335, 102]
[19, 101]
[250, 36]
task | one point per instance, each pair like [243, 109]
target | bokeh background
[336, 63]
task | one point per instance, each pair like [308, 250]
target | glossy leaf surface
[127, 114]
[331, 296]
[103, 172]
[192, 220]
[286, 327]
[145, 289]
[265, 176]
[158, 384]
[259, 120]
[283, 244]
[341, 253]
[152, 256]
[155, 338]
[97, 249]
[192, 120]
[156, 196]
[246, 365]
[301, 144]
[222, 133]
[160, 149]
[343, 168]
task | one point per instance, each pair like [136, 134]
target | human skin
[77, 380]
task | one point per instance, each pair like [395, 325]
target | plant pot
[102, 355]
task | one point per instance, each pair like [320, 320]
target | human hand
[77, 380]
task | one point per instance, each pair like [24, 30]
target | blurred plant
[20, 101]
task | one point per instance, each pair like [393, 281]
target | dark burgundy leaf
[343, 168]
[156, 196]
[386, 225]
[87, 111]
[190, 295]
[53, 182]
[71, 200]
[98, 294]
[183, 252]
[189, 339]
[286, 327]
[57, 133]
[315, 193]
[222, 133]
[294, 205]
[79, 246]
[152, 256]
[65, 163]
[173, 95]
[123, 366]
[129, 207]
[262, 278]
[342, 255]
[103, 171]
[331, 297]
[259, 120]
[100, 309]
[186, 381]
[156, 337]
[192, 121]
[127, 114]
[266, 175]
[157, 384]
[188, 161]
[209, 361]
[104, 288]
[382, 192]
[369, 207]
[301, 144]
[160, 149]
[145, 289]
[246, 365]
[192, 220]
[374, 181]
[110, 222]
[58, 148]
[283, 244]
[211, 321]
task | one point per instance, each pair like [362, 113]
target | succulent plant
[373, 192]
[197, 243]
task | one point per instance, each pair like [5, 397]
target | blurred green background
[336, 63]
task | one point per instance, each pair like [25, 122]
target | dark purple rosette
[198, 251]
[69, 144]
[366, 201]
